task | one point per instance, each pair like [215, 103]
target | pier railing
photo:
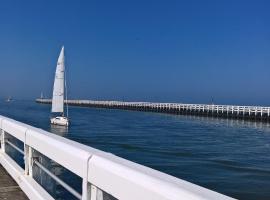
[102, 173]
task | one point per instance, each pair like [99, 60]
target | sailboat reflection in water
[59, 92]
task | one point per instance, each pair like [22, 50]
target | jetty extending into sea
[226, 111]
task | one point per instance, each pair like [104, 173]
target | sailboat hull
[61, 121]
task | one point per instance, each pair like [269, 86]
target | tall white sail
[58, 87]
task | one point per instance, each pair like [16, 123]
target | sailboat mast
[65, 76]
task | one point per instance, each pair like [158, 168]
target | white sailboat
[59, 93]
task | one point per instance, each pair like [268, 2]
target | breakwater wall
[225, 111]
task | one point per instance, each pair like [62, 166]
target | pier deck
[9, 189]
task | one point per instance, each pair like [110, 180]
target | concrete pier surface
[9, 189]
[257, 113]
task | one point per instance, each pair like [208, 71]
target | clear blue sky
[176, 51]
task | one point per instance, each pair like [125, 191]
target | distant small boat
[9, 99]
[59, 93]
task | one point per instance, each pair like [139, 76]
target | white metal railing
[100, 171]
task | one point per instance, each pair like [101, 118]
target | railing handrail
[120, 178]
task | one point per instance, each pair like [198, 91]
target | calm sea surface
[228, 156]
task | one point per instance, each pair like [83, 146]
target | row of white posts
[256, 111]
[100, 171]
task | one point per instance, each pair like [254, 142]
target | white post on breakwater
[229, 111]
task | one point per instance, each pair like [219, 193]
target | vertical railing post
[86, 190]
[256, 112]
[3, 146]
[2, 140]
[99, 194]
[28, 158]
[96, 193]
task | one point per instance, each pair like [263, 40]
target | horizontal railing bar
[15, 147]
[58, 180]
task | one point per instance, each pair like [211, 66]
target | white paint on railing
[100, 171]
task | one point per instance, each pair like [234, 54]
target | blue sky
[174, 51]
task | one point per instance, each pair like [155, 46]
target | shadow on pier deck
[9, 189]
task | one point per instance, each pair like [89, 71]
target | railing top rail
[123, 178]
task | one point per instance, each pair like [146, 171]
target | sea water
[228, 156]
